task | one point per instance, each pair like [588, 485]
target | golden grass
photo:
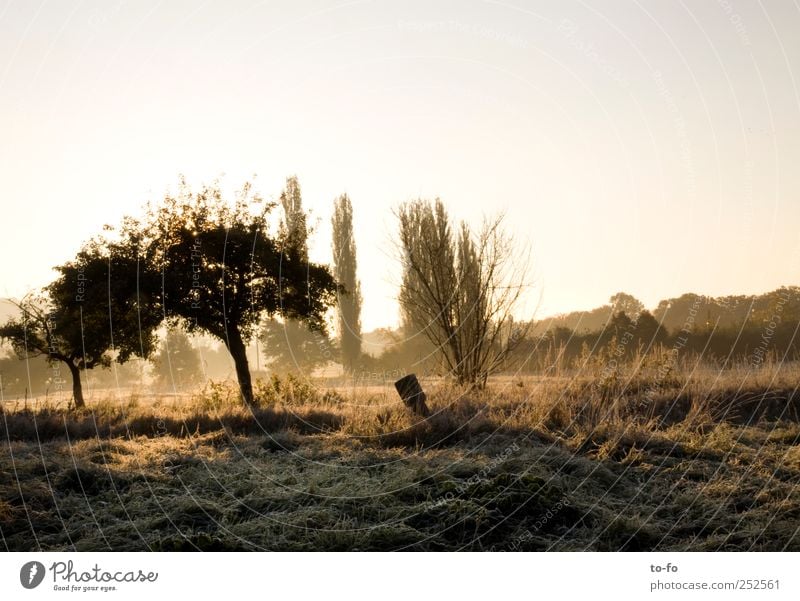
[628, 459]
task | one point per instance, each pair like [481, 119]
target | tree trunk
[239, 353]
[77, 388]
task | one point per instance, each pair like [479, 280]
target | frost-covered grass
[562, 463]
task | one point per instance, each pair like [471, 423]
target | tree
[295, 221]
[461, 289]
[31, 377]
[620, 325]
[648, 331]
[407, 350]
[291, 343]
[627, 303]
[293, 346]
[344, 269]
[177, 363]
[100, 309]
[222, 272]
[687, 311]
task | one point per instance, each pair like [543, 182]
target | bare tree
[460, 289]
[344, 270]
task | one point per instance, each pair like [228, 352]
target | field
[631, 460]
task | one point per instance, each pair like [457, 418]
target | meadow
[634, 458]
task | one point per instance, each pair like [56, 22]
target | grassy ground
[704, 461]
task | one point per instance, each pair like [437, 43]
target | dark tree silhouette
[649, 332]
[100, 309]
[222, 272]
[344, 266]
[23, 377]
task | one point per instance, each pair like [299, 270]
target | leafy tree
[222, 272]
[688, 310]
[31, 377]
[100, 309]
[579, 322]
[344, 269]
[293, 346]
[177, 363]
[620, 324]
[628, 304]
[130, 373]
[406, 350]
[583, 322]
[649, 332]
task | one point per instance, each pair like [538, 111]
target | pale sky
[651, 147]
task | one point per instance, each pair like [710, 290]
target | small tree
[461, 289]
[97, 311]
[177, 363]
[35, 333]
[29, 377]
[222, 271]
[344, 269]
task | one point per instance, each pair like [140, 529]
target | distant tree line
[743, 329]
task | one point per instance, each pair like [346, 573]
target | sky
[644, 146]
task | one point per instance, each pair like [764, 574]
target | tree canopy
[222, 270]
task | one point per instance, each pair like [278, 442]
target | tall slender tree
[345, 271]
[295, 222]
[289, 342]
[295, 227]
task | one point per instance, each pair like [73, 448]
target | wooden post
[413, 396]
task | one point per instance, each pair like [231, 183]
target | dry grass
[625, 460]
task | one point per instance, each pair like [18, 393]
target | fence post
[409, 389]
